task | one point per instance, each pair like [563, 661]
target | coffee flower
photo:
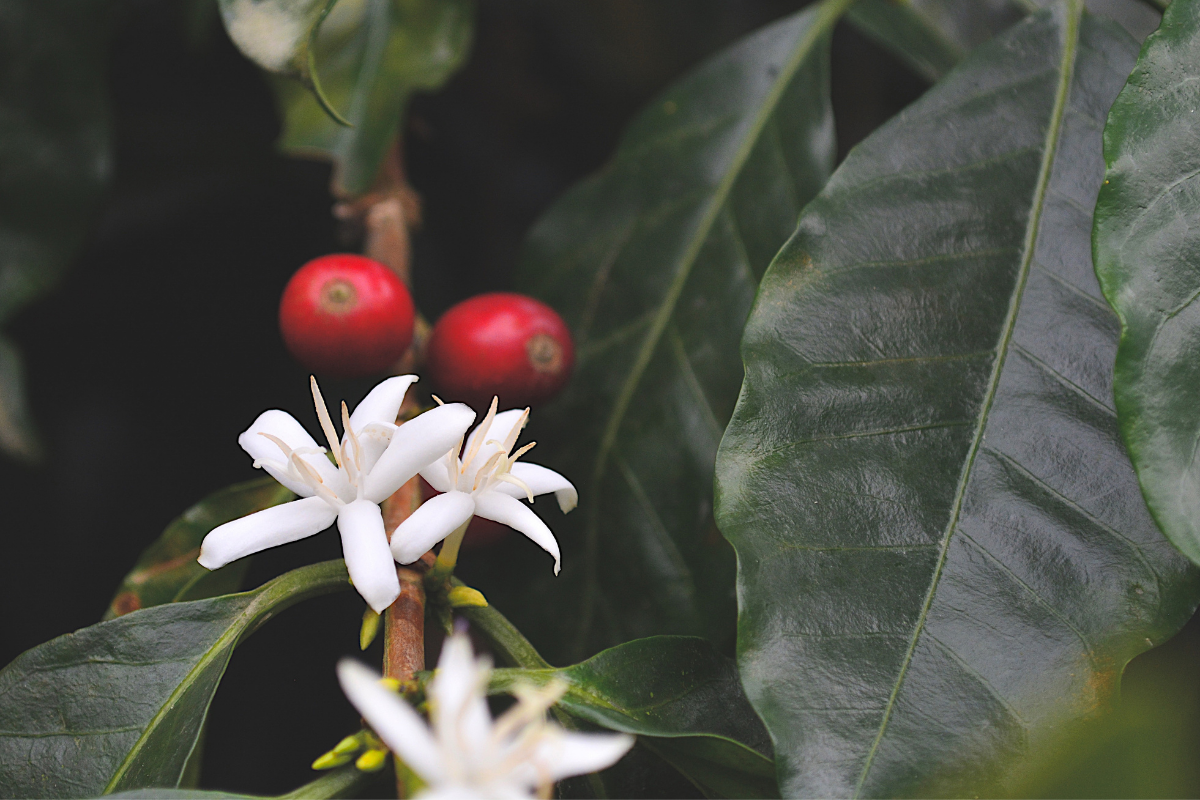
[464, 753]
[373, 459]
[486, 481]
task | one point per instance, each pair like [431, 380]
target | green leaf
[931, 36]
[679, 692]
[942, 548]
[119, 705]
[343, 782]
[1148, 261]
[55, 139]
[654, 262]
[168, 572]
[372, 55]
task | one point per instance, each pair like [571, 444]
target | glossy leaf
[1148, 261]
[942, 548]
[372, 55]
[55, 138]
[931, 36]
[680, 693]
[119, 705]
[653, 262]
[167, 572]
[342, 782]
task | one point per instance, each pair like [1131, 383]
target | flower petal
[368, 559]
[458, 698]
[267, 528]
[562, 755]
[433, 521]
[398, 725]
[512, 512]
[437, 475]
[382, 403]
[284, 426]
[416, 444]
[541, 481]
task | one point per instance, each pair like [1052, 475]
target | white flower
[467, 754]
[485, 482]
[374, 458]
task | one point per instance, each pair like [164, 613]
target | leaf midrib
[828, 14]
[1062, 95]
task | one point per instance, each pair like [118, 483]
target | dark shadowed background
[161, 345]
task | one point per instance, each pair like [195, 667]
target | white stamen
[335, 446]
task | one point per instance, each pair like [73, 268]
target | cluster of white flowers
[464, 753]
[372, 459]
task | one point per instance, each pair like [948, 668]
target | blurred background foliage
[177, 222]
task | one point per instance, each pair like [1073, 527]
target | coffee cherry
[501, 344]
[346, 316]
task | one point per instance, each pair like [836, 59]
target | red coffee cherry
[346, 316]
[501, 344]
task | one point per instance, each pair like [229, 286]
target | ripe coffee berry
[346, 316]
[502, 344]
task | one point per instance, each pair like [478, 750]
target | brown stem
[404, 621]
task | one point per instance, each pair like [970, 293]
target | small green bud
[372, 760]
[466, 597]
[369, 630]
[351, 744]
[332, 759]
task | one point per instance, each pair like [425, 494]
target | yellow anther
[372, 760]
[466, 597]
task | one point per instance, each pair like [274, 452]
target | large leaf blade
[1146, 259]
[654, 262]
[679, 693]
[167, 570]
[119, 705]
[941, 545]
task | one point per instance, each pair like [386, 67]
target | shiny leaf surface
[1148, 259]
[931, 36]
[942, 546]
[372, 55]
[167, 572]
[55, 139]
[680, 693]
[119, 705]
[654, 262]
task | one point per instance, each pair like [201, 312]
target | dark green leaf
[343, 782]
[167, 572]
[942, 548]
[55, 138]
[654, 262]
[119, 705]
[372, 55]
[931, 36]
[681, 693]
[1148, 259]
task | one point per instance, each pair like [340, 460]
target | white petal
[562, 755]
[416, 444]
[457, 693]
[284, 426]
[368, 559]
[541, 481]
[515, 514]
[433, 521]
[382, 403]
[437, 475]
[267, 528]
[373, 440]
[398, 725]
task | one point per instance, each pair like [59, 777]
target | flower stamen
[335, 446]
